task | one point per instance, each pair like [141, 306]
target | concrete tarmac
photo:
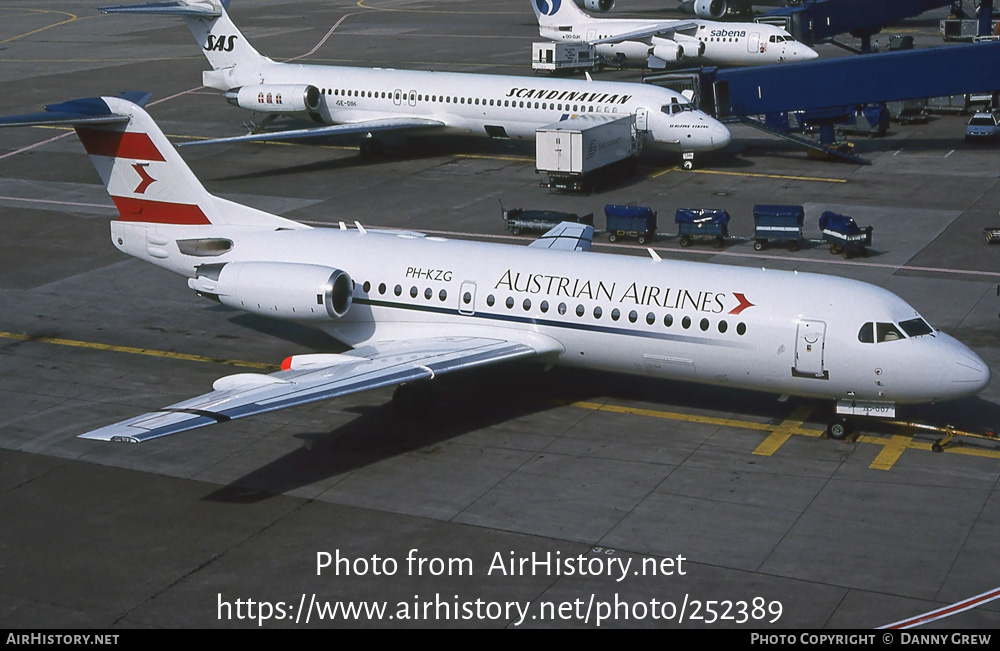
[524, 498]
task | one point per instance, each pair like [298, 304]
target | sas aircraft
[660, 43]
[370, 101]
[414, 307]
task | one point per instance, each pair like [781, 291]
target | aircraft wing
[381, 124]
[666, 30]
[309, 378]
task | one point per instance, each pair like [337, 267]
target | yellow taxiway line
[137, 351]
[783, 177]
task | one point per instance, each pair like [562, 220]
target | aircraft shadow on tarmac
[482, 398]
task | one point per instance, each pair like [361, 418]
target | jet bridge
[823, 88]
[822, 20]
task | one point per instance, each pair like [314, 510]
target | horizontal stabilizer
[383, 124]
[90, 110]
[567, 236]
[202, 9]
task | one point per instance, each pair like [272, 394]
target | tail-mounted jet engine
[276, 98]
[713, 9]
[301, 292]
[600, 6]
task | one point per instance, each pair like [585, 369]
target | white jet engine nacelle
[667, 50]
[714, 9]
[300, 292]
[276, 98]
[631, 50]
[692, 46]
[601, 6]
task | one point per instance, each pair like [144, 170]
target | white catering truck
[556, 57]
[585, 150]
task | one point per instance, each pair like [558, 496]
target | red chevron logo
[147, 180]
[744, 303]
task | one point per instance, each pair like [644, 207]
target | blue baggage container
[702, 223]
[638, 222]
[844, 234]
[777, 222]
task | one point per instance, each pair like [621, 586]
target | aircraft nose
[969, 374]
[720, 135]
[805, 53]
[962, 372]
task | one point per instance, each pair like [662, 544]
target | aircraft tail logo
[548, 7]
[147, 179]
[220, 40]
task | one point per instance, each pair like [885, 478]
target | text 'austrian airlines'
[414, 307]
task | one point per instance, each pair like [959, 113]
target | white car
[982, 126]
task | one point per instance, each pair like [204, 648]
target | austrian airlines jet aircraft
[659, 43]
[414, 307]
[372, 100]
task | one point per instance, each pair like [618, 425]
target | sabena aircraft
[368, 101]
[413, 307]
[660, 43]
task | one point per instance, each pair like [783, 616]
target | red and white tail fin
[147, 179]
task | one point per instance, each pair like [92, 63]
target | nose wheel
[839, 428]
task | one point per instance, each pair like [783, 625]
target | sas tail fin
[227, 50]
[147, 179]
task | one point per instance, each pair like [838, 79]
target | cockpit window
[867, 333]
[887, 332]
[916, 327]
[676, 107]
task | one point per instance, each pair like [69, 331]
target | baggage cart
[637, 222]
[992, 234]
[519, 220]
[702, 223]
[777, 223]
[844, 234]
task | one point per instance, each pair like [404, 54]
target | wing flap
[385, 364]
[368, 126]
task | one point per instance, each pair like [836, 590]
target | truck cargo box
[579, 152]
[550, 56]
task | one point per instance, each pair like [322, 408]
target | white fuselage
[725, 44]
[494, 105]
[769, 330]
